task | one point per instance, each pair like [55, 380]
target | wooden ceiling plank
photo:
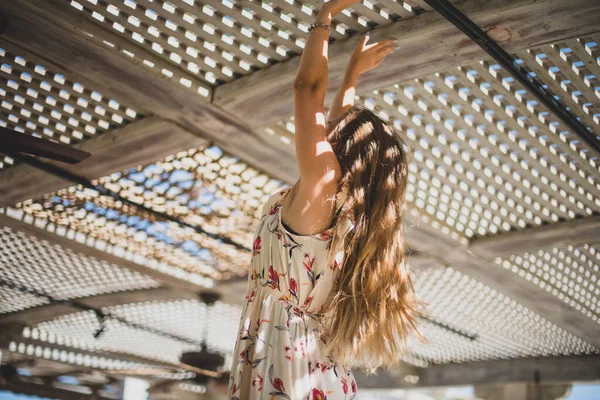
[532, 116]
[558, 234]
[480, 119]
[40, 234]
[47, 312]
[476, 263]
[553, 370]
[9, 335]
[428, 44]
[58, 37]
[142, 30]
[47, 391]
[197, 27]
[139, 143]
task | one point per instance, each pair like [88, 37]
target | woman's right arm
[365, 57]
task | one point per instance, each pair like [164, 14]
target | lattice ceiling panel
[488, 158]
[571, 273]
[45, 103]
[204, 187]
[184, 318]
[200, 44]
[58, 272]
[75, 357]
[12, 300]
[503, 328]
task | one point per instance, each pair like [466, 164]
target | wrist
[352, 71]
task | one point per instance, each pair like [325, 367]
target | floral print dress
[279, 347]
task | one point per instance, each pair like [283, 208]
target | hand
[334, 7]
[368, 56]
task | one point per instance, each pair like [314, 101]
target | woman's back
[279, 346]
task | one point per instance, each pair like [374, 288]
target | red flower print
[273, 210]
[274, 277]
[335, 265]
[345, 385]
[307, 302]
[322, 366]
[308, 262]
[353, 386]
[288, 352]
[278, 384]
[318, 394]
[301, 349]
[293, 287]
[325, 236]
[251, 297]
[297, 312]
[258, 382]
[243, 355]
[257, 245]
[260, 322]
[308, 266]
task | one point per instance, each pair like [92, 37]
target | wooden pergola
[186, 108]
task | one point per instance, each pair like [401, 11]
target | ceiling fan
[206, 365]
[16, 143]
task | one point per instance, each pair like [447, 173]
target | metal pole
[472, 30]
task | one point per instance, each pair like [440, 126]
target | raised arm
[316, 161]
[364, 58]
[319, 168]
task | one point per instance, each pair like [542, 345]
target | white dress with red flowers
[279, 348]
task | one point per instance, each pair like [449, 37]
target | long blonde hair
[374, 307]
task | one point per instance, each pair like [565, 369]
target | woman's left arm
[318, 165]
[364, 58]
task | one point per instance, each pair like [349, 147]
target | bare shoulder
[310, 207]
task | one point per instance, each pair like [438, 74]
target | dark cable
[472, 30]
[102, 316]
[449, 328]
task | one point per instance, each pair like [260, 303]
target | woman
[329, 287]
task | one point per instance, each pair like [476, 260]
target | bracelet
[314, 25]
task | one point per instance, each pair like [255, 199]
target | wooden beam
[56, 33]
[46, 391]
[481, 266]
[560, 234]
[87, 251]
[53, 31]
[174, 287]
[9, 334]
[428, 44]
[47, 312]
[553, 370]
[139, 143]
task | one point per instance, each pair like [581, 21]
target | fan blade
[21, 143]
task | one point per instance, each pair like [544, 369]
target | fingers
[382, 50]
[363, 40]
[377, 46]
[387, 49]
[387, 42]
